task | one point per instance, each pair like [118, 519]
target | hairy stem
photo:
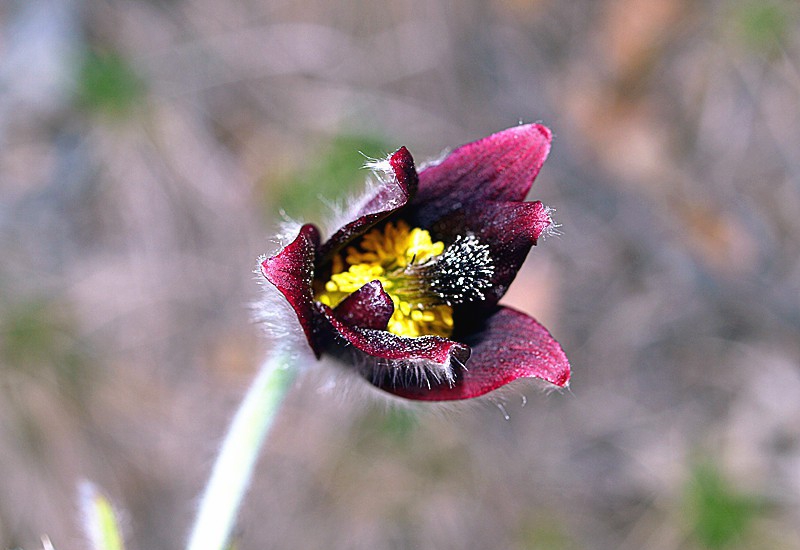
[233, 468]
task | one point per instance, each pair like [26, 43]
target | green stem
[230, 477]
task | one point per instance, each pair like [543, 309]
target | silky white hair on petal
[288, 229]
[271, 311]
[504, 396]
[382, 168]
[277, 318]
[381, 175]
[347, 387]
[435, 161]
[553, 229]
[344, 211]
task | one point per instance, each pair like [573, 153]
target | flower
[407, 291]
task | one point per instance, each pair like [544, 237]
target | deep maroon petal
[509, 345]
[389, 198]
[402, 164]
[500, 167]
[390, 361]
[367, 307]
[508, 228]
[291, 270]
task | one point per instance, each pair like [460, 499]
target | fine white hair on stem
[233, 468]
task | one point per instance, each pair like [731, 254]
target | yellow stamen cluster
[383, 254]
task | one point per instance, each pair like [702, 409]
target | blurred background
[146, 151]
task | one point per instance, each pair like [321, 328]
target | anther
[459, 275]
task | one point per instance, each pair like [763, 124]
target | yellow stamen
[381, 255]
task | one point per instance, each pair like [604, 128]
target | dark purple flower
[407, 292]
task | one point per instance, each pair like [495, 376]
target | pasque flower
[407, 291]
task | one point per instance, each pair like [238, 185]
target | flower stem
[230, 477]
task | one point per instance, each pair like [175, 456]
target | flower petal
[367, 307]
[508, 346]
[500, 167]
[291, 270]
[392, 362]
[391, 196]
[509, 229]
[401, 164]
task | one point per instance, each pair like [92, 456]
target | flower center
[423, 278]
